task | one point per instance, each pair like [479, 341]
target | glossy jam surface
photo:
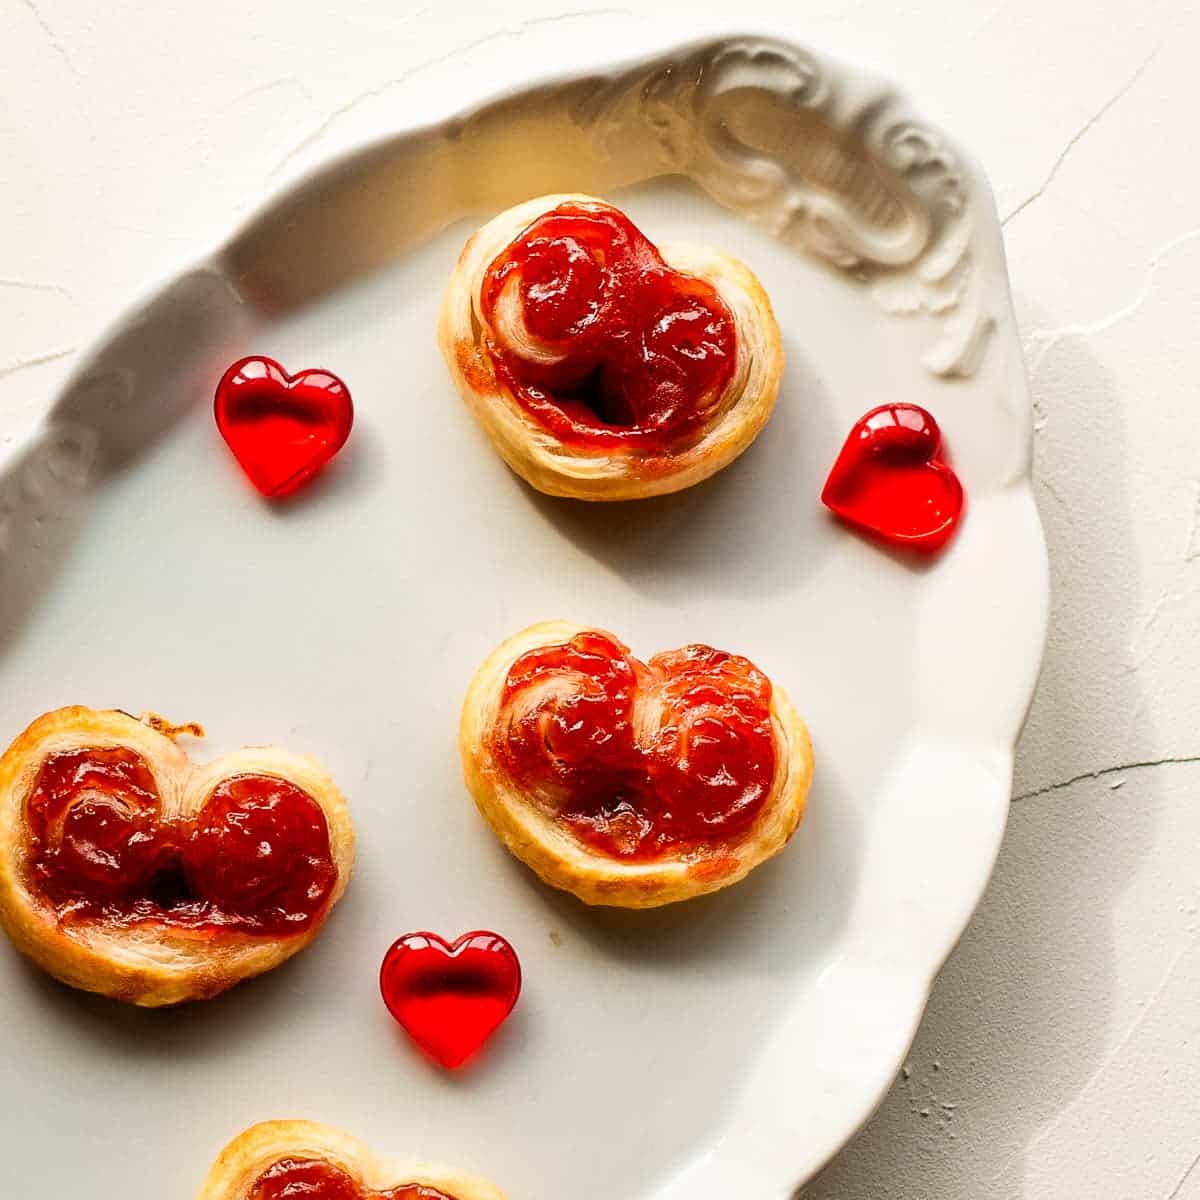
[640, 759]
[890, 481]
[450, 997]
[316, 1179]
[281, 428]
[255, 858]
[629, 352]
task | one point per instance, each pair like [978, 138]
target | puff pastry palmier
[600, 366]
[128, 870]
[627, 783]
[301, 1160]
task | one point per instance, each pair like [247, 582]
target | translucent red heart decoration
[450, 998]
[889, 481]
[281, 428]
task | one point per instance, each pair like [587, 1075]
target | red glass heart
[450, 998]
[889, 480]
[281, 428]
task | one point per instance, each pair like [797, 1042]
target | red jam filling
[636, 354]
[640, 759]
[315, 1179]
[255, 858]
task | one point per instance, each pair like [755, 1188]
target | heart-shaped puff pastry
[626, 783]
[128, 870]
[277, 1160]
[601, 366]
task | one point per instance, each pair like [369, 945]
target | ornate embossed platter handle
[842, 173]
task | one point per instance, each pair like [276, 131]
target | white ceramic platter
[722, 1048]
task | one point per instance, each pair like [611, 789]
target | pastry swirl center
[639, 759]
[601, 342]
[255, 858]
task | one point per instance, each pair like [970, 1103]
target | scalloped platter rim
[740, 1040]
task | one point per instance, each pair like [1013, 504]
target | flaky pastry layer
[547, 845]
[628, 473]
[260, 1147]
[147, 964]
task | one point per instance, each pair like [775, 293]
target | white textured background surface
[1060, 1056]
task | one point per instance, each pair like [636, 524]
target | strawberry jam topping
[639, 759]
[615, 348]
[315, 1179]
[255, 858]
